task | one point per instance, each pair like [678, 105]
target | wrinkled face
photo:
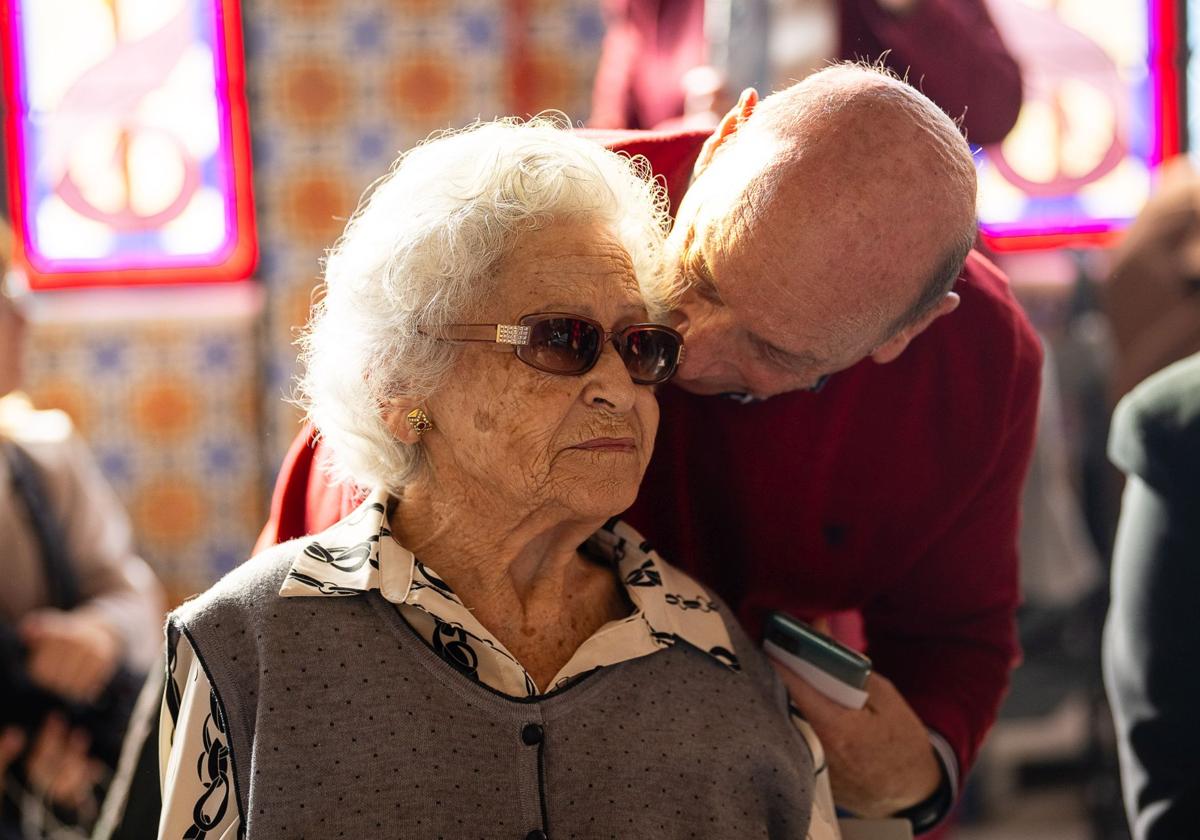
[533, 440]
[748, 332]
[12, 344]
[792, 283]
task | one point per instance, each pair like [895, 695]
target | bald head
[854, 95]
[840, 211]
[874, 154]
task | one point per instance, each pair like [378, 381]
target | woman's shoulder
[247, 589]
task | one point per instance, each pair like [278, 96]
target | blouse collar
[358, 555]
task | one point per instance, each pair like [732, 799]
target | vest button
[536, 834]
[532, 734]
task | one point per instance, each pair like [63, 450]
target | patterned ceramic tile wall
[187, 417]
[172, 410]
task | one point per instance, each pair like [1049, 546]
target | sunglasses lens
[561, 344]
[651, 353]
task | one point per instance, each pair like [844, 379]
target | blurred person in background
[853, 424]
[662, 60]
[1152, 295]
[1151, 643]
[1152, 636]
[80, 613]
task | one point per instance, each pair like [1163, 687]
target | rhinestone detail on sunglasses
[512, 334]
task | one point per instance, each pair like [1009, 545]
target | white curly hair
[421, 250]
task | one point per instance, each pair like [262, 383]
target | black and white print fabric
[358, 555]
[193, 754]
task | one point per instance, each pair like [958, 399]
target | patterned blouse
[357, 555]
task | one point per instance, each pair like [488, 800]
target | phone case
[827, 664]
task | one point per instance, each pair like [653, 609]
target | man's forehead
[790, 287]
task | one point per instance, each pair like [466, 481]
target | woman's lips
[608, 444]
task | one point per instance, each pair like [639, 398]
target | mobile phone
[824, 663]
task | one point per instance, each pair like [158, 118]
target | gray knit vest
[343, 723]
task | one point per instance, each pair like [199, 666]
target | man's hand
[73, 654]
[880, 759]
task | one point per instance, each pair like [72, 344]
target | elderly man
[822, 240]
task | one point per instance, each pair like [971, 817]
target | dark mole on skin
[483, 421]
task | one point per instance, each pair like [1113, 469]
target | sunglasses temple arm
[503, 334]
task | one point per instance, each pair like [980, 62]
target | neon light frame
[1165, 28]
[241, 252]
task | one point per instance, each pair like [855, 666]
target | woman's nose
[609, 384]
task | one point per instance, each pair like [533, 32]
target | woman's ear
[396, 413]
[728, 126]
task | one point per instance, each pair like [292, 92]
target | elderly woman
[481, 649]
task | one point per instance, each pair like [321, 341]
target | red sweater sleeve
[951, 50]
[945, 633]
[304, 500]
[289, 514]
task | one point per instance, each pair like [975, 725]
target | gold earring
[419, 420]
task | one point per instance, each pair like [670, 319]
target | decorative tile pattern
[172, 411]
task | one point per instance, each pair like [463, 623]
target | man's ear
[395, 417]
[891, 349]
[728, 126]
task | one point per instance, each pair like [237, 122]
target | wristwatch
[933, 809]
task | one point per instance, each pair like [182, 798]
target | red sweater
[894, 491]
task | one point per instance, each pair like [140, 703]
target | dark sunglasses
[570, 345]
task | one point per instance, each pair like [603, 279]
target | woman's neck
[519, 572]
[481, 544]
